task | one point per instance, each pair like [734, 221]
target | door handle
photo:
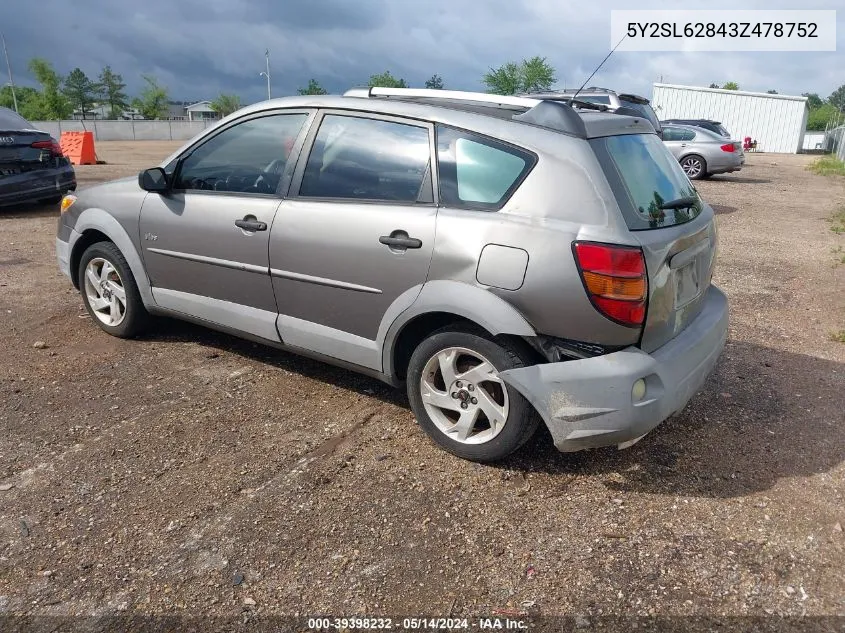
[249, 223]
[400, 240]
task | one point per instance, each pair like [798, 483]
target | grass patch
[839, 336]
[837, 221]
[827, 166]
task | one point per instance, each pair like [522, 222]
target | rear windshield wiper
[680, 203]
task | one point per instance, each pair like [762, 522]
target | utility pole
[9, 67]
[267, 72]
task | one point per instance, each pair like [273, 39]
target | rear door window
[645, 176]
[671, 134]
[477, 172]
[368, 159]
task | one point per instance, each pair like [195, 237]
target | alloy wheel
[464, 395]
[105, 291]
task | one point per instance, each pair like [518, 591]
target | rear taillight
[728, 147]
[53, 146]
[615, 280]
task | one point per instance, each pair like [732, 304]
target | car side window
[249, 157]
[477, 172]
[687, 135]
[670, 134]
[356, 158]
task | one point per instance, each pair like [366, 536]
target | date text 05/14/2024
[416, 624]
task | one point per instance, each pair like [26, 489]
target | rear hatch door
[675, 228]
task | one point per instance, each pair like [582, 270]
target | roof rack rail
[452, 95]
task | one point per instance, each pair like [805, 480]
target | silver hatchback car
[508, 259]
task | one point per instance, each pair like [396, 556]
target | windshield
[646, 178]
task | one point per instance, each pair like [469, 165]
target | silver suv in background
[507, 259]
[621, 103]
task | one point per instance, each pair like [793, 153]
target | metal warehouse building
[776, 122]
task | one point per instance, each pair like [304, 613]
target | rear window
[644, 109]
[645, 176]
[11, 121]
[603, 99]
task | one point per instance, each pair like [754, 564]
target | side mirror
[153, 179]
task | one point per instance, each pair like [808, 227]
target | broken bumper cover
[590, 403]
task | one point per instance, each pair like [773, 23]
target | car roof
[464, 109]
[694, 128]
[700, 120]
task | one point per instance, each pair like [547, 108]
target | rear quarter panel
[565, 198]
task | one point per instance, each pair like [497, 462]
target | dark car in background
[32, 166]
[708, 124]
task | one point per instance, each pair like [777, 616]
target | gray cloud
[199, 48]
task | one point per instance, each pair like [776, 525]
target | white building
[201, 111]
[776, 122]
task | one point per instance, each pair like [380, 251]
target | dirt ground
[189, 472]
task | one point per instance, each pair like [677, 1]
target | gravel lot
[189, 472]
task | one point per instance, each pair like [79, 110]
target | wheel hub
[463, 393]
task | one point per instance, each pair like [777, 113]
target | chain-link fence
[834, 136]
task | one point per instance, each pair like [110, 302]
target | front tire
[109, 291]
[461, 402]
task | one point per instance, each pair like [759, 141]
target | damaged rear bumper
[591, 402]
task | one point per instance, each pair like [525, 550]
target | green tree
[530, 75]
[111, 91]
[225, 104]
[313, 88]
[837, 98]
[51, 103]
[813, 100]
[771, 92]
[386, 80]
[537, 75]
[80, 91]
[731, 85]
[152, 100]
[504, 80]
[435, 82]
[820, 117]
[28, 101]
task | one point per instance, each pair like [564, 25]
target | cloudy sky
[199, 48]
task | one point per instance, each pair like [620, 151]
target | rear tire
[694, 166]
[110, 292]
[461, 402]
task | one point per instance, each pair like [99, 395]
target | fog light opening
[638, 390]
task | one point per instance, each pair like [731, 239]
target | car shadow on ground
[726, 178]
[764, 415]
[173, 330]
[29, 211]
